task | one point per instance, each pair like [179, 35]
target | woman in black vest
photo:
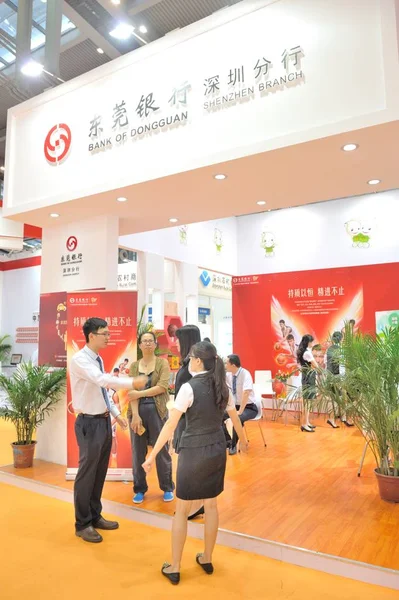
[187, 336]
[202, 454]
[308, 364]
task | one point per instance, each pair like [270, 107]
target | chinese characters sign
[214, 284]
[244, 82]
[147, 112]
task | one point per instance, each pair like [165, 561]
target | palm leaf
[5, 347]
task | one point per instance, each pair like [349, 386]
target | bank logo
[72, 243]
[57, 144]
[205, 278]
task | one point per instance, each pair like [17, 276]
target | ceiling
[292, 176]
[86, 26]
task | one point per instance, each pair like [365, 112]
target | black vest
[204, 418]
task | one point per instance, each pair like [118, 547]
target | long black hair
[188, 335]
[303, 346]
[214, 365]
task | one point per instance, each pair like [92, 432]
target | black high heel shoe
[174, 578]
[332, 424]
[207, 567]
[199, 512]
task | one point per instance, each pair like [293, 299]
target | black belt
[100, 416]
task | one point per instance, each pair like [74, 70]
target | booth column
[91, 246]
[187, 292]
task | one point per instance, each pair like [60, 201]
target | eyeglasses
[105, 334]
[147, 342]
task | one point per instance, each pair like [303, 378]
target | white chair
[259, 415]
[264, 380]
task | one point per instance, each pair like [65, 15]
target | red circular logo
[72, 243]
[57, 143]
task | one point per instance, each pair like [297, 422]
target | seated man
[240, 382]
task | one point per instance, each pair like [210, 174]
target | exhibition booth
[216, 192]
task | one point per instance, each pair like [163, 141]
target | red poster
[317, 305]
[119, 309]
[316, 302]
[53, 329]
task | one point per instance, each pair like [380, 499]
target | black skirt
[200, 472]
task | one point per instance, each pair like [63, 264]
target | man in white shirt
[241, 385]
[93, 430]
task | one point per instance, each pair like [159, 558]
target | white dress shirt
[185, 397]
[87, 380]
[244, 383]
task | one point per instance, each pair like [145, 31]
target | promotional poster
[53, 329]
[271, 312]
[321, 306]
[119, 309]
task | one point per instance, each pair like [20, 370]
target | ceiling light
[54, 215]
[116, 2]
[123, 31]
[32, 69]
[143, 29]
[2, 168]
[261, 202]
[374, 181]
[173, 220]
[349, 147]
[121, 199]
[100, 50]
[220, 176]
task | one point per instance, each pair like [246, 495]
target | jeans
[153, 425]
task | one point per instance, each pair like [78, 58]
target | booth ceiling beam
[89, 31]
[52, 47]
[24, 32]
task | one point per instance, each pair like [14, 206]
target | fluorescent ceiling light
[121, 199]
[54, 215]
[32, 69]
[350, 147]
[261, 202]
[173, 220]
[220, 176]
[100, 50]
[143, 29]
[116, 2]
[123, 31]
[374, 181]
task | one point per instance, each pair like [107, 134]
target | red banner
[53, 329]
[315, 302]
[119, 309]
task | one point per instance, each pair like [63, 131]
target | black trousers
[94, 438]
[250, 411]
[153, 425]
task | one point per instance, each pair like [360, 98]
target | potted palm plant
[367, 390]
[31, 394]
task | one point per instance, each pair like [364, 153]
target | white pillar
[96, 241]
[187, 292]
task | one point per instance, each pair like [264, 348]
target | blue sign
[204, 311]
[205, 278]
